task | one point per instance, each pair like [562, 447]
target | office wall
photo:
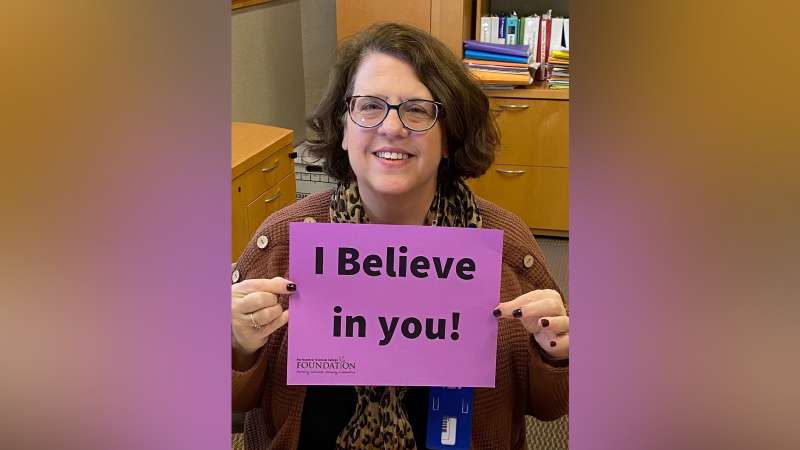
[319, 46]
[282, 52]
[267, 78]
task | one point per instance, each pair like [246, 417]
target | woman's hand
[255, 314]
[542, 313]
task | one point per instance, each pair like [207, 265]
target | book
[468, 62]
[502, 49]
[557, 34]
[531, 37]
[486, 77]
[475, 54]
[511, 29]
[486, 27]
[494, 24]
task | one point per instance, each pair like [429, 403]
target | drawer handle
[510, 172]
[270, 169]
[273, 198]
[512, 107]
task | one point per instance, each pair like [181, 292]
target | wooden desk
[262, 177]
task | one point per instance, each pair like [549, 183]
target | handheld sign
[393, 305]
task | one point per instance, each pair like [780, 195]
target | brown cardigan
[525, 383]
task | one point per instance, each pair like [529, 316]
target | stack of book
[559, 61]
[498, 65]
[544, 35]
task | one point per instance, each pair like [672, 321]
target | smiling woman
[400, 126]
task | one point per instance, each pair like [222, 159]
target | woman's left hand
[542, 313]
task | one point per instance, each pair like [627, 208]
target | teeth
[391, 155]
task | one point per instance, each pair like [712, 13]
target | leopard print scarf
[452, 206]
[380, 421]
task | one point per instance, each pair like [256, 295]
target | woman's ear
[344, 134]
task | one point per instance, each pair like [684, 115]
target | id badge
[449, 418]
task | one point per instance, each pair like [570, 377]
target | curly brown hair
[469, 128]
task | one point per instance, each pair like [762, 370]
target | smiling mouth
[393, 156]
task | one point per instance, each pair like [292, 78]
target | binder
[485, 29]
[543, 47]
[494, 22]
[477, 62]
[557, 33]
[531, 37]
[486, 77]
[511, 29]
[503, 49]
[476, 54]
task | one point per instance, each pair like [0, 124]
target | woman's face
[394, 80]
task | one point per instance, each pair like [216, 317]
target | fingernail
[545, 322]
[552, 343]
[517, 313]
[496, 313]
[291, 287]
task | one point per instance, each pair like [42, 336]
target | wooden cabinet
[530, 175]
[262, 177]
[448, 20]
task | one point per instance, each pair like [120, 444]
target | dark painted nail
[552, 343]
[496, 313]
[291, 287]
[545, 322]
[517, 313]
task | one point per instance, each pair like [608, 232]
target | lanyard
[449, 418]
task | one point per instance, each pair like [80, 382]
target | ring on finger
[255, 324]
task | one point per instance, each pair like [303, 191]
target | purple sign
[392, 305]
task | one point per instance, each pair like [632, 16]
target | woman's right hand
[255, 314]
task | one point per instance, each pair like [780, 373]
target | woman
[400, 126]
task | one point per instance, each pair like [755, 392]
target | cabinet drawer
[539, 195]
[532, 132]
[266, 174]
[269, 202]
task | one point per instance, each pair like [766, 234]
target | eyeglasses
[416, 115]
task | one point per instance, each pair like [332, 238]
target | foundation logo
[333, 366]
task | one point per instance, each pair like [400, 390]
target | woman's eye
[371, 106]
[418, 109]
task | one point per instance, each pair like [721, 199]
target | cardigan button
[309, 220]
[262, 242]
[235, 276]
[528, 261]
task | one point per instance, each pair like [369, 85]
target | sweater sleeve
[548, 390]
[248, 387]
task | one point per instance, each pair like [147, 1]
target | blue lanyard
[449, 418]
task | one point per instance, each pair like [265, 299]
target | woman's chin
[391, 189]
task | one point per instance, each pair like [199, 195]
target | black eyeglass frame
[439, 111]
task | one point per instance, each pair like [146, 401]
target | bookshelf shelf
[538, 90]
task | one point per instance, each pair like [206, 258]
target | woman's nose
[392, 125]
